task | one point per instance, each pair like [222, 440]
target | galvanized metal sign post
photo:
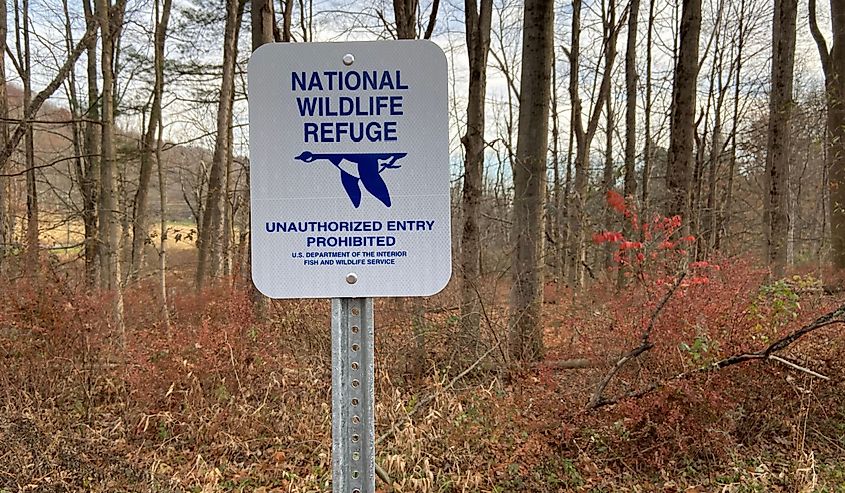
[353, 399]
[349, 181]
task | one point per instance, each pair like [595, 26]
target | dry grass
[225, 402]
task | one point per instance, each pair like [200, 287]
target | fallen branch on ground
[836, 316]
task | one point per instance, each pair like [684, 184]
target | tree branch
[47, 165]
[818, 37]
[31, 110]
[645, 344]
[432, 19]
[836, 316]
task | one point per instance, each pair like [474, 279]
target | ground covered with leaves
[224, 401]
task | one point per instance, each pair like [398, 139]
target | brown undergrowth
[226, 402]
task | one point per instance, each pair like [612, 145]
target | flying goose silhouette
[369, 170]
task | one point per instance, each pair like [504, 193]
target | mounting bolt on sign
[349, 184]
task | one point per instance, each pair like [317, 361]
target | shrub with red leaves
[714, 313]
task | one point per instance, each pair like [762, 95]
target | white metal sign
[349, 169]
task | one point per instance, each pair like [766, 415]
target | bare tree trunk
[711, 222]
[262, 34]
[227, 233]
[701, 160]
[630, 187]
[715, 160]
[162, 16]
[583, 137]
[302, 24]
[90, 184]
[630, 183]
[6, 231]
[777, 159]
[108, 240]
[833, 64]
[140, 228]
[559, 200]
[835, 84]
[566, 246]
[726, 211]
[111, 21]
[648, 154]
[607, 181]
[478, 46]
[697, 176]
[263, 18]
[681, 141]
[124, 209]
[77, 136]
[228, 197]
[577, 205]
[162, 253]
[529, 178]
[209, 241]
[287, 17]
[32, 230]
[405, 15]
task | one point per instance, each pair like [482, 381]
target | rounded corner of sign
[257, 282]
[436, 48]
[442, 284]
[257, 55]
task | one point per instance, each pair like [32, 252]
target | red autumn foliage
[723, 307]
[657, 249]
[226, 399]
[616, 201]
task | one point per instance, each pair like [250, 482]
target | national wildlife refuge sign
[349, 169]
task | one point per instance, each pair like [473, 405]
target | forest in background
[648, 237]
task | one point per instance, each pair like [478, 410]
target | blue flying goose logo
[358, 169]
